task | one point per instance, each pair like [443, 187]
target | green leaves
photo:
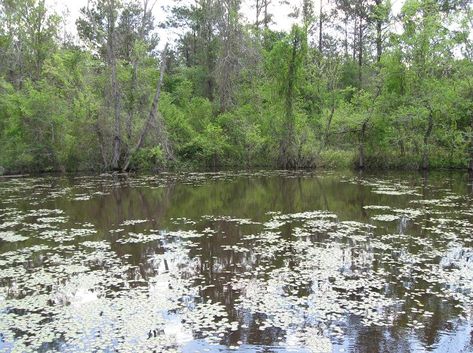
[235, 93]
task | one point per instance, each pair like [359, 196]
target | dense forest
[352, 84]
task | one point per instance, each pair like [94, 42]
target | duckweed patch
[199, 259]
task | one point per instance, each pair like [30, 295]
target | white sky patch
[70, 11]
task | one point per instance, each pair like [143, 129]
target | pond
[237, 262]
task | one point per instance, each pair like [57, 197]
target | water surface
[237, 262]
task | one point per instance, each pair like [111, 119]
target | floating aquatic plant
[302, 277]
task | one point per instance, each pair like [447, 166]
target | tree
[228, 59]
[343, 88]
[153, 117]
[98, 28]
[28, 37]
[137, 39]
[287, 59]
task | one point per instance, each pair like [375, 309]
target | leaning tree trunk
[153, 114]
[428, 132]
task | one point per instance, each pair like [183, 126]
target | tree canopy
[350, 85]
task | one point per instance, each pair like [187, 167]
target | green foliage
[208, 148]
[148, 159]
[236, 94]
[337, 159]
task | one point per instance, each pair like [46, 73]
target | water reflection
[256, 262]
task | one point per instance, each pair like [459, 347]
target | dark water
[248, 262]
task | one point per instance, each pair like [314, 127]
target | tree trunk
[345, 42]
[153, 112]
[131, 109]
[379, 39]
[134, 80]
[258, 11]
[227, 61]
[100, 139]
[360, 52]
[327, 128]
[286, 157]
[116, 129]
[114, 83]
[321, 23]
[194, 49]
[266, 19]
[428, 132]
[402, 149]
[470, 167]
[355, 34]
[361, 160]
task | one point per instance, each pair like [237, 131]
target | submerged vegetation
[353, 83]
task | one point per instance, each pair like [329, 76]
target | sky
[71, 9]
[282, 21]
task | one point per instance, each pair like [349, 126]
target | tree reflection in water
[253, 262]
